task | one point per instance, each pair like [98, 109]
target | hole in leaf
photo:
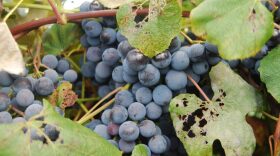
[218, 150]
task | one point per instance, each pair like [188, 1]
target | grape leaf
[269, 72]
[59, 38]
[199, 123]
[239, 28]
[188, 5]
[154, 36]
[140, 150]
[73, 140]
[11, 58]
[117, 3]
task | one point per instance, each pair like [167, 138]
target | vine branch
[59, 17]
[72, 17]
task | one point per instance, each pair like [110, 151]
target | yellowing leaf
[199, 123]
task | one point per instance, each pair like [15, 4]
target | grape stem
[17, 111]
[270, 116]
[88, 99]
[73, 17]
[12, 11]
[59, 17]
[1, 6]
[277, 26]
[199, 89]
[189, 39]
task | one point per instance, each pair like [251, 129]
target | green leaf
[199, 123]
[140, 150]
[73, 140]
[239, 28]
[269, 72]
[154, 36]
[59, 38]
[188, 5]
[117, 3]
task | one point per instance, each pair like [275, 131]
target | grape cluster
[24, 93]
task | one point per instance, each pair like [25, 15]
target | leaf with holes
[199, 123]
[141, 150]
[239, 28]
[59, 38]
[269, 72]
[154, 36]
[73, 139]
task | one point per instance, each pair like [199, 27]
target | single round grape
[5, 79]
[129, 131]
[25, 97]
[94, 54]
[125, 146]
[70, 75]
[213, 60]
[90, 6]
[124, 47]
[50, 61]
[136, 60]
[136, 111]
[162, 60]
[196, 50]
[93, 123]
[158, 132]
[211, 48]
[52, 75]
[106, 116]
[149, 76]
[135, 87]
[35, 135]
[102, 70]
[100, 80]
[144, 95]
[147, 128]
[110, 56]
[63, 65]
[200, 68]
[84, 42]
[176, 80]
[18, 120]
[120, 37]
[124, 98]
[117, 74]
[4, 101]
[180, 60]
[32, 81]
[103, 90]
[119, 114]
[128, 69]
[93, 28]
[102, 131]
[93, 41]
[113, 129]
[113, 142]
[88, 69]
[158, 144]
[162, 95]
[108, 36]
[21, 83]
[44, 86]
[153, 110]
[175, 44]
[129, 78]
[5, 117]
[52, 132]
[32, 110]
[168, 141]
[109, 21]
[84, 7]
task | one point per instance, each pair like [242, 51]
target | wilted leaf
[140, 150]
[154, 36]
[269, 72]
[63, 96]
[240, 28]
[199, 123]
[59, 38]
[11, 58]
[73, 139]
